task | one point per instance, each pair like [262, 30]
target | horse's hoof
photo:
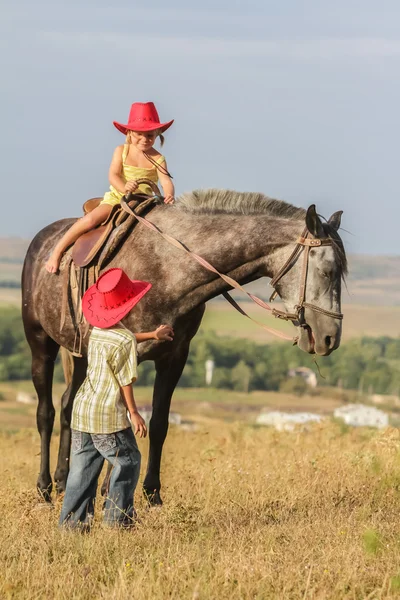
[153, 497]
[45, 493]
[60, 487]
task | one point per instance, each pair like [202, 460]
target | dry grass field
[249, 513]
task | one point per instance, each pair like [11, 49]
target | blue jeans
[88, 452]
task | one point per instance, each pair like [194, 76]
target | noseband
[307, 243]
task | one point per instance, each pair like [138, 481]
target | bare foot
[52, 264]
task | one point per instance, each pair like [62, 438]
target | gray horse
[244, 235]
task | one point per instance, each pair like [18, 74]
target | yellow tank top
[129, 172]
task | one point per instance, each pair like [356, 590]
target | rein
[298, 316]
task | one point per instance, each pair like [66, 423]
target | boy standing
[100, 427]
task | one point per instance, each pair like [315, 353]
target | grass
[248, 514]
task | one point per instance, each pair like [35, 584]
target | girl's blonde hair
[158, 133]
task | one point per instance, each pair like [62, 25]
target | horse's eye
[325, 274]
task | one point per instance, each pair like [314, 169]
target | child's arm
[166, 184]
[137, 420]
[163, 333]
[115, 171]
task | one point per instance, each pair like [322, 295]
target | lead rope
[233, 302]
[232, 282]
[157, 165]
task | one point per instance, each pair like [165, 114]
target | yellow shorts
[111, 199]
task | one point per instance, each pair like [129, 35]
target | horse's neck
[244, 247]
[242, 242]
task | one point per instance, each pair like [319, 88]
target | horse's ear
[335, 219]
[313, 222]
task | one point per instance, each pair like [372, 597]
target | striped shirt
[112, 362]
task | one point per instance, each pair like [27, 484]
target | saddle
[87, 246]
[93, 250]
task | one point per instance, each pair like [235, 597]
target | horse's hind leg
[44, 353]
[78, 375]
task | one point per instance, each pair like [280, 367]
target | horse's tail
[67, 364]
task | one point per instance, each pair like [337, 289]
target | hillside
[372, 280]
[12, 249]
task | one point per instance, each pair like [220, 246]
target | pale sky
[299, 99]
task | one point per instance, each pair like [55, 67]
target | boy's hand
[138, 424]
[169, 199]
[131, 186]
[165, 333]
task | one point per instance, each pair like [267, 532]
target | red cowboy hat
[143, 117]
[112, 297]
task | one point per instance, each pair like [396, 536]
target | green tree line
[370, 365]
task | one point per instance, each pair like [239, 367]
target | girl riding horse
[131, 161]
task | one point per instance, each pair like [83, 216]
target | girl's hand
[165, 333]
[138, 424]
[168, 199]
[131, 186]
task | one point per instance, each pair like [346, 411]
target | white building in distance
[282, 421]
[360, 415]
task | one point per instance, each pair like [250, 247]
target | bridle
[298, 316]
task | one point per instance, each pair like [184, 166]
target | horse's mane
[338, 248]
[213, 201]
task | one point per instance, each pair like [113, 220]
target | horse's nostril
[328, 341]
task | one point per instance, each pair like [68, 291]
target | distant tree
[294, 385]
[222, 378]
[240, 377]
[393, 349]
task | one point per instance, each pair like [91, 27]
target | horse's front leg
[78, 375]
[168, 372]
